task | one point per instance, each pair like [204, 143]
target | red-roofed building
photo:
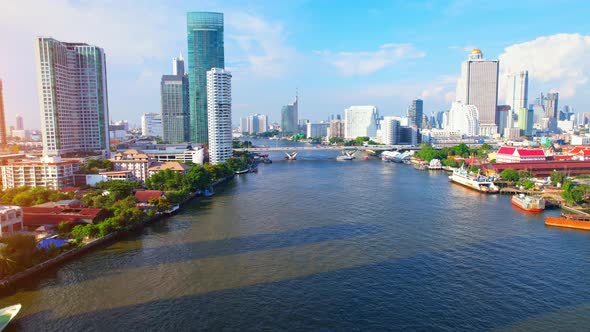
[508, 154]
[143, 197]
[37, 216]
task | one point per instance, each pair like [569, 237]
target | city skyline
[270, 55]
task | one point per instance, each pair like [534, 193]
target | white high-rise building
[517, 89]
[478, 86]
[464, 118]
[254, 124]
[360, 121]
[151, 125]
[390, 130]
[219, 115]
[73, 99]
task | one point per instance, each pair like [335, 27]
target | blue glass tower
[205, 51]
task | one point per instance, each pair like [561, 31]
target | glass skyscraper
[205, 51]
[175, 104]
[415, 112]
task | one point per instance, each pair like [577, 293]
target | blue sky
[336, 53]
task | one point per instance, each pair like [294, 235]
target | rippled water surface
[320, 244]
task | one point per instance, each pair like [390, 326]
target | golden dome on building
[476, 51]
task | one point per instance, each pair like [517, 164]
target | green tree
[197, 178]
[161, 204]
[510, 174]
[557, 177]
[7, 264]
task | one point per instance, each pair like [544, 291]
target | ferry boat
[474, 181]
[7, 314]
[529, 203]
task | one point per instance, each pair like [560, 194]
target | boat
[577, 221]
[403, 157]
[346, 156]
[7, 314]
[529, 203]
[477, 182]
[435, 164]
[291, 156]
[208, 192]
[244, 171]
[389, 155]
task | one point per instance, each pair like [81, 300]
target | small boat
[208, 192]
[244, 171]
[528, 203]
[435, 164]
[344, 158]
[7, 314]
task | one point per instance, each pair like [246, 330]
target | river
[319, 244]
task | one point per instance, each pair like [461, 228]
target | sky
[334, 53]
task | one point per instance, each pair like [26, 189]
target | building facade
[478, 86]
[11, 219]
[151, 125]
[415, 112]
[464, 118]
[20, 124]
[219, 112]
[360, 121]
[2, 119]
[390, 130]
[525, 121]
[317, 130]
[517, 90]
[132, 160]
[50, 172]
[205, 51]
[551, 104]
[254, 124]
[174, 97]
[290, 118]
[336, 129]
[73, 99]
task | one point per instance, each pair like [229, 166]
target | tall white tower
[517, 89]
[478, 86]
[219, 115]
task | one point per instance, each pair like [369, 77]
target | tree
[197, 178]
[510, 174]
[7, 264]
[557, 177]
[161, 204]
[20, 248]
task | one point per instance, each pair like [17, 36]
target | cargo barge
[576, 221]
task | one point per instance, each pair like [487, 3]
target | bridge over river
[340, 148]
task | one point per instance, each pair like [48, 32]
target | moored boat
[389, 155]
[7, 314]
[477, 182]
[528, 203]
[576, 221]
[435, 164]
[344, 158]
[243, 171]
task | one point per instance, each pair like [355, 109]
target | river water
[319, 244]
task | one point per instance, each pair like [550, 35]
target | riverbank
[62, 258]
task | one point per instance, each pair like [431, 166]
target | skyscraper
[205, 51]
[219, 115]
[551, 103]
[360, 121]
[517, 89]
[20, 125]
[174, 92]
[2, 119]
[151, 124]
[415, 112]
[73, 99]
[290, 117]
[390, 130]
[478, 86]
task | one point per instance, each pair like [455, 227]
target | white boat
[7, 314]
[477, 182]
[403, 157]
[243, 171]
[346, 156]
[389, 155]
[435, 164]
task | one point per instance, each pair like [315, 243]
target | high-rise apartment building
[219, 112]
[360, 121]
[254, 124]
[517, 89]
[2, 119]
[478, 86]
[415, 112]
[390, 131]
[174, 93]
[205, 51]
[151, 124]
[336, 129]
[290, 118]
[73, 97]
[551, 103]
[20, 125]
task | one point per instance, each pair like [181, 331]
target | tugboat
[528, 203]
[7, 314]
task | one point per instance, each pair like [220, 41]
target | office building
[174, 96]
[551, 104]
[205, 51]
[503, 117]
[219, 112]
[20, 125]
[415, 112]
[316, 130]
[72, 85]
[464, 118]
[360, 121]
[525, 121]
[290, 118]
[151, 125]
[478, 86]
[336, 129]
[517, 89]
[2, 120]
[390, 130]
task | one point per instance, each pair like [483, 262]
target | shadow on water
[426, 291]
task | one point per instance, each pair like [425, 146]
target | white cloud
[555, 63]
[466, 48]
[368, 62]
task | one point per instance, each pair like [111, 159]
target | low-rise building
[132, 160]
[508, 154]
[52, 173]
[144, 196]
[93, 179]
[11, 219]
[171, 165]
[38, 216]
